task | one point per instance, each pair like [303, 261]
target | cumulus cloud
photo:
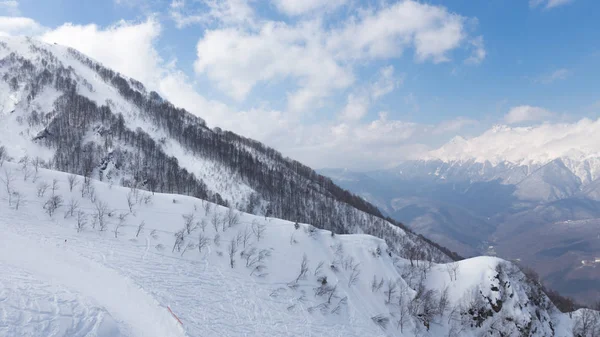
[527, 113]
[294, 7]
[211, 11]
[10, 26]
[127, 47]
[321, 60]
[478, 52]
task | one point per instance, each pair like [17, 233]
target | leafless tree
[215, 221]
[303, 269]
[140, 228]
[232, 249]
[37, 162]
[376, 285]
[381, 320]
[101, 212]
[120, 224]
[233, 217]
[130, 200]
[390, 291]
[587, 324]
[17, 197]
[53, 204]
[189, 246]
[203, 241]
[188, 222]
[179, 240]
[246, 235]
[3, 155]
[81, 221]
[452, 269]
[354, 275]
[72, 180]
[250, 256]
[54, 187]
[293, 239]
[403, 312]
[217, 240]
[26, 172]
[202, 224]
[206, 206]
[258, 229]
[7, 181]
[319, 269]
[42, 187]
[72, 207]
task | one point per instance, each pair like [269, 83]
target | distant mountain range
[484, 195]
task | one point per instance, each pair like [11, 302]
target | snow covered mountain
[63, 110]
[476, 195]
[80, 257]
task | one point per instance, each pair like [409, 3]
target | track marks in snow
[136, 313]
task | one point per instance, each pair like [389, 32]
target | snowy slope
[57, 281]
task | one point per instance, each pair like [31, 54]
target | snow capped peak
[526, 145]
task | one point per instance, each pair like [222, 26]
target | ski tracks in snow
[136, 313]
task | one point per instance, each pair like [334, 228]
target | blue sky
[359, 84]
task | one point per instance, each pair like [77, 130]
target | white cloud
[454, 125]
[385, 84]
[356, 108]
[237, 60]
[321, 60]
[10, 7]
[295, 7]
[478, 51]
[10, 26]
[557, 75]
[126, 47]
[527, 113]
[220, 11]
[548, 4]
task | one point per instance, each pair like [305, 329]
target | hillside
[62, 110]
[88, 258]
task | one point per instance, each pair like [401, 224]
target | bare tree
[54, 187]
[354, 274]
[26, 172]
[189, 246]
[140, 228]
[17, 199]
[258, 229]
[72, 180]
[206, 206]
[381, 321]
[217, 240]
[246, 235]
[179, 240]
[215, 221]
[233, 217]
[130, 200]
[42, 187]
[452, 269]
[81, 221]
[390, 291]
[53, 204]
[303, 269]
[37, 162]
[72, 207]
[120, 224]
[188, 222]
[3, 155]
[202, 224]
[376, 285]
[203, 241]
[319, 269]
[7, 181]
[232, 249]
[101, 212]
[587, 324]
[403, 312]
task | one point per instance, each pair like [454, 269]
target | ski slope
[57, 281]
